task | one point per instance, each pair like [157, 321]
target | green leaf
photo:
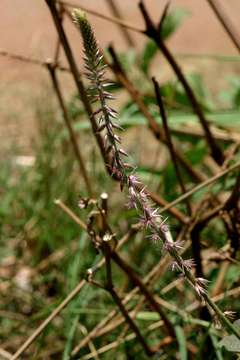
[181, 342]
[148, 54]
[196, 156]
[236, 98]
[231, 342]
[148, 316]
[173, 21]
[231, 95]
[232, 275]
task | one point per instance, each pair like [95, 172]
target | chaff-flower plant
[138, 197]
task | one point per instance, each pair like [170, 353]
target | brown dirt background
[26, 29]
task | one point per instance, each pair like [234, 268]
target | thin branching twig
[153, 33]
[225, 22]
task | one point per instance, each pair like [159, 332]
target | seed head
[92, 52]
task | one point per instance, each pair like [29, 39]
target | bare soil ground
[26, 29]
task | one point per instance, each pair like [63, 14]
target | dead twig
[117, 15]
[104, 17]
[150, 278]
[76, 76]
[72, 135]
[48, 320]
[29, 60]
[110, 288]
[169, 141]
[5, 354]
[143, 288]
[153, 125]
[201, 186]
[225, 22]
[153, 33]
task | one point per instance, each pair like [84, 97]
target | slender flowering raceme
[138, 197]
[137, 194]
[97, 91]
